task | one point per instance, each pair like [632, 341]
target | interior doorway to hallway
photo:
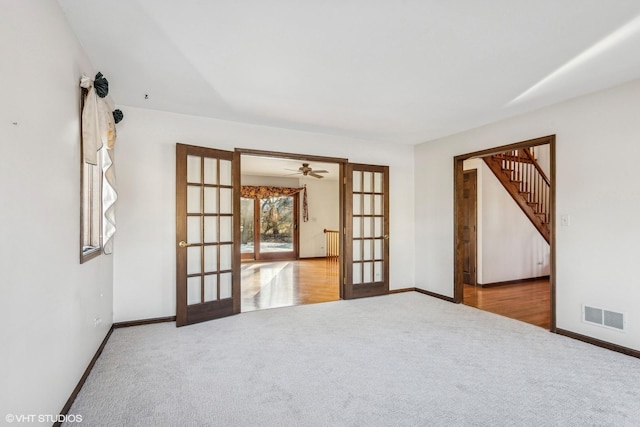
[510, 270]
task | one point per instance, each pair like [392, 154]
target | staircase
[526, 182]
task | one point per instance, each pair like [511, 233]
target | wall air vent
[602, 317]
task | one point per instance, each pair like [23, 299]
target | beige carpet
[398, 360]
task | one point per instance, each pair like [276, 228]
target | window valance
[263, 191]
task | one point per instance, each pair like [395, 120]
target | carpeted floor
[398, 360]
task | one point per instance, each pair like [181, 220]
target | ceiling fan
[305, 170]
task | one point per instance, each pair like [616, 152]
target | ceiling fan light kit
[306, 170]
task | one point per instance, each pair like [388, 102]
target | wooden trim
[181, 232]
[512, 282]
[552, 225]
[141, 322]
[509, 147]
[458, 171]
[422, 291]
[236, 278]
[458, 215]
[604, 344]
[473, 243]
[347, 232]
[399, 291]
[342, 184]
[386, 190]
[292, 156]
[74, 394]
[439, 296]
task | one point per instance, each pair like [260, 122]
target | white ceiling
[403, 71]
[285, 168]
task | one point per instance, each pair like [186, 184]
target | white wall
[596, 155]
[144, 278]
[48, 300]
[323, 197]
[508, 246]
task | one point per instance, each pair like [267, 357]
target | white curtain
[98, 139]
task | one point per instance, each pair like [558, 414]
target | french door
[207, 260]
[366, 255]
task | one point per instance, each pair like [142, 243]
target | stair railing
[540, 184]
[533, 184]
[332, 243]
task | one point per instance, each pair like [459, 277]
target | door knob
[183, 244]
[386, 237]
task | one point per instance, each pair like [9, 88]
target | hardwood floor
[529, 301]
[286, 283]
[274, 284]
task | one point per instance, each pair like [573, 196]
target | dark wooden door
[469, 226]
[366, 256]
[207, 259]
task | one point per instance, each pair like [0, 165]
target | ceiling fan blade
[315, 175]
[289, 174]
[292, 170]
[320, 171]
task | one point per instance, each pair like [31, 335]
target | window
[276, 231]
[90, 206]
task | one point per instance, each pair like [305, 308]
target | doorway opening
[505, 251]
[209, 239]
[288, 203]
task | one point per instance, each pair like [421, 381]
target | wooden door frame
[474, 251]
[458, 176]
[302, 157]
